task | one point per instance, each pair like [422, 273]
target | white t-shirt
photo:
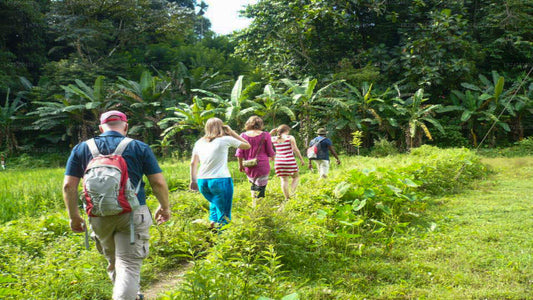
[214, 156]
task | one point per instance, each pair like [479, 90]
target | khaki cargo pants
[112, 236]
[323, 167]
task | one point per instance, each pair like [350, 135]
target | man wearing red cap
[112, 233]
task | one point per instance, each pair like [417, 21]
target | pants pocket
[142, 245]
[142, 220]
[97, 243]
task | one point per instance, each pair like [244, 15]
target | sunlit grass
[478, 248]
[29, 192]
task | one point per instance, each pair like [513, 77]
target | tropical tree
[438, 54]
[309, 104]
[8, 114]
[184, 80]
[77, 110]
[147, 103]
[187, 117]
[271, 105]
[414, 114]
[520, 108]
[232, 107]
[369, 112]
[479, 105]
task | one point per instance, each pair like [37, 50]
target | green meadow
[432, 224]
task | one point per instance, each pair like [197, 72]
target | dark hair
[254, 123]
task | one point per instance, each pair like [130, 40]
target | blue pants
[219, 193]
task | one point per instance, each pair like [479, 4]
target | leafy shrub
[452, 136]
[383, 148]
[65, 270]
[520, 148]
[443, 171]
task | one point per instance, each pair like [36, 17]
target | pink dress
[257, 175]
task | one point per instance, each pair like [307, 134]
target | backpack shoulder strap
[92, 147]
[122, 146]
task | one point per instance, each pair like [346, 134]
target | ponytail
[282, 129]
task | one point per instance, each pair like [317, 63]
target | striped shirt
[285, 164]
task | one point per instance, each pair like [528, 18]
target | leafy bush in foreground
[327, 227]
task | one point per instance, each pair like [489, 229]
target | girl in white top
[213, 178]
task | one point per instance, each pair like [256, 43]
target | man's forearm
[70, 195]
[161, 193]
[160, 189]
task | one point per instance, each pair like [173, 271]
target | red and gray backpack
[107, 190]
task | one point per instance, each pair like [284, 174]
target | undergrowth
[309, 249]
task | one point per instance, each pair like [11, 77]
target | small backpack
[312, 152]
[107, 189]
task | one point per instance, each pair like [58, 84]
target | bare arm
[244, 144]
[241, 167]
[160, 190]
[70, 196]
[334, 154]
[195, 160]
[296, 150]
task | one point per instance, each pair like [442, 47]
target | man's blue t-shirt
[323, 147]
[138, 156]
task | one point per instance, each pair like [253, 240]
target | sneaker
[139, 297]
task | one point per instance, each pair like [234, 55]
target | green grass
[480, 248]
[469, 245]
[29, 192]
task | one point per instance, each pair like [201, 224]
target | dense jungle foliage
[400, 72]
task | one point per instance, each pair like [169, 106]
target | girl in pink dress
[262, 150]
[285, 162]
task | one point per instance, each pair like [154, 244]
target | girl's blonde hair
[214, 128]
[254, 123]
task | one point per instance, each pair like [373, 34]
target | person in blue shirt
[112, 233]
[324, 146]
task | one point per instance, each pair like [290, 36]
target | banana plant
[480, 105]
[192, 117]
[8, 114]
[520, 106]
[307, 103]
[270, 105]
[147, 102]
[77, 109]
[368, 111]
[233, 107]
[414, 114]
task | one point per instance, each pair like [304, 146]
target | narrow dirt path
[166, 282]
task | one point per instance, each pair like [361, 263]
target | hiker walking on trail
[255, 161]
[324, 146]
[285, 161]
[120, 223]
[209, 169]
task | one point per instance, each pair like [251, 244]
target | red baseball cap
[113, 116]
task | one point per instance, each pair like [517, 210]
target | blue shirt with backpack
[322, 144]
[138, 156]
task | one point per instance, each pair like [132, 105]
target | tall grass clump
[30, 192]
[443, 171]
[519, 149]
